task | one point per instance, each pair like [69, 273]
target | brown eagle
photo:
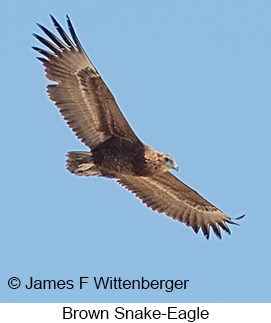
[116, 152]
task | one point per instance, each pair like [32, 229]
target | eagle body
[119, 156]
[90, 110]
[122, 157]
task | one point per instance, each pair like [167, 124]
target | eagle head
[169, 162]
[158, 163]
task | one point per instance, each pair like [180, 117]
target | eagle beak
[176, 167]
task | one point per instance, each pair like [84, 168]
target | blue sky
[193, 78]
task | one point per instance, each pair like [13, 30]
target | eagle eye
[166, 159]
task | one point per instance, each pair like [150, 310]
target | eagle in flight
[91, 111]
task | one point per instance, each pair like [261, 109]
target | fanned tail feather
[81, 163]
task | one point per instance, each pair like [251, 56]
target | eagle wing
[80, 94]
[166, 194]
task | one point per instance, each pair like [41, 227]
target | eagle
[115, 151]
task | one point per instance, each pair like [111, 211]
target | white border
[218, 312]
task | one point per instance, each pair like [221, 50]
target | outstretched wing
[166, 194]
[81, 95]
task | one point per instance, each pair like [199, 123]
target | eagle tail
[81, 163]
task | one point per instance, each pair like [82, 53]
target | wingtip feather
[240, 217]
[53, 20]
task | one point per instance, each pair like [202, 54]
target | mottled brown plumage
[91, 111]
